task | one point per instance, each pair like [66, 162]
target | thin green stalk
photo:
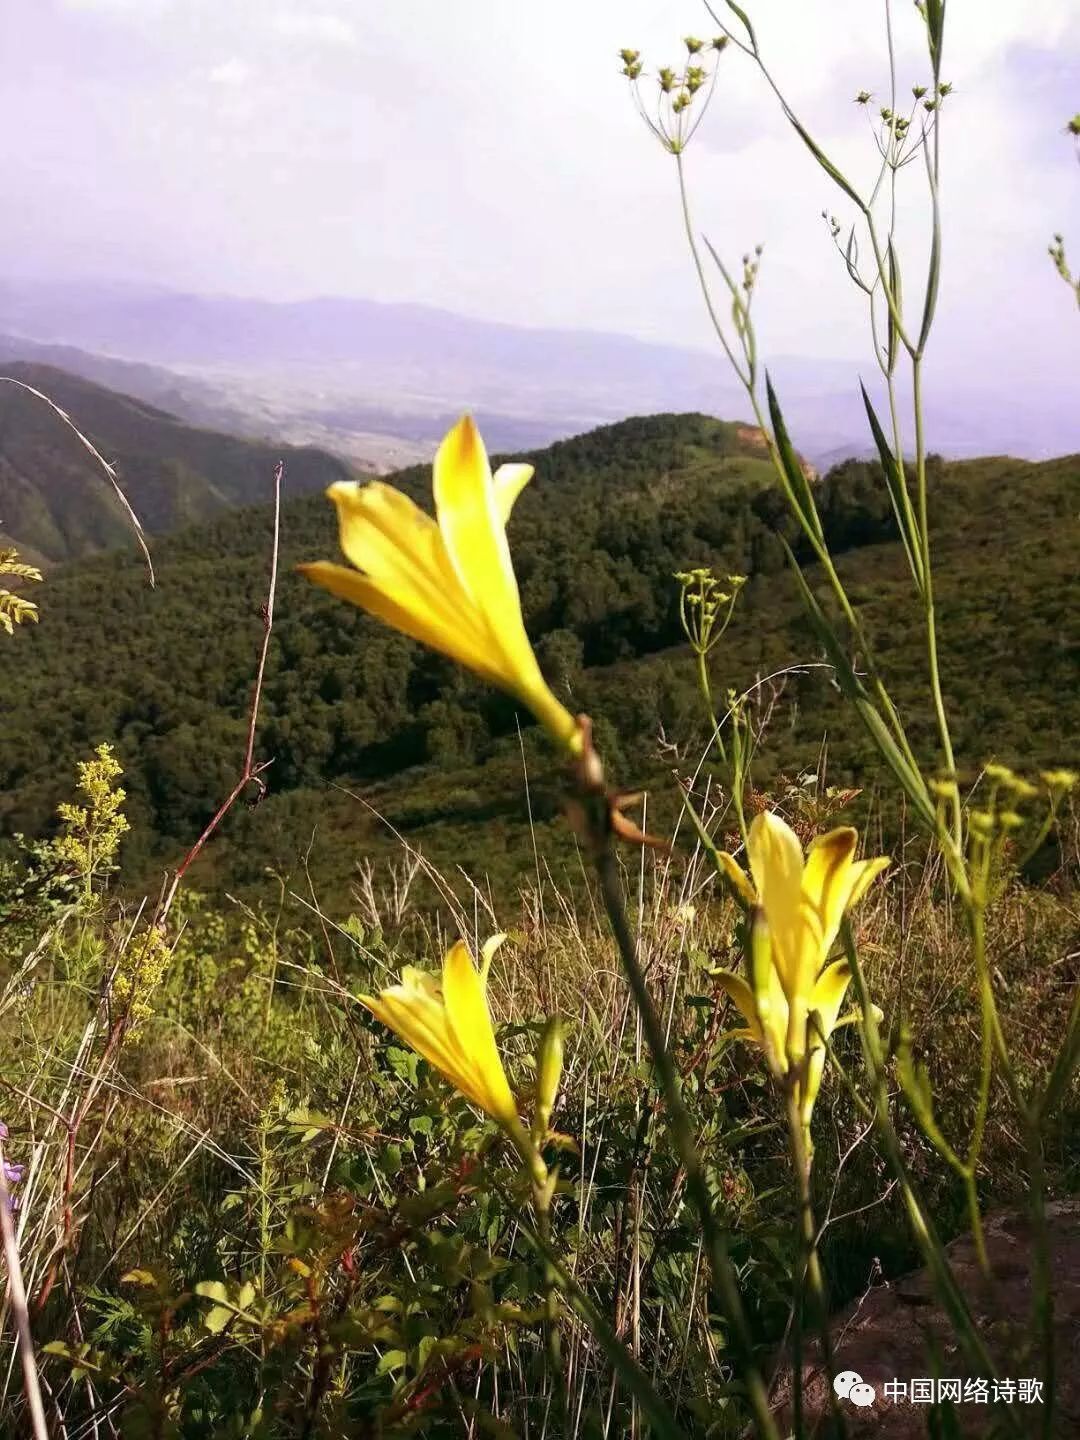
[1042, 1305]
[928, 593]
[543, 1189]
[724, 1274]
[926, 1237]
[700, 268]
[809, 1263]
[986, 1071]
[706, 694]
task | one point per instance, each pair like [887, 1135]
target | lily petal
[829, 995]
[776, 863]
[471, 526]
[470, 1022]
[738, 877]
[404, 612]
[509, 481]
[739, 992]
[866, 872]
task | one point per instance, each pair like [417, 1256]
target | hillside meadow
[243, 1209]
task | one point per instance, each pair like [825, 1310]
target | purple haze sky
[484, 156]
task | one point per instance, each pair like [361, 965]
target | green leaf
[217, 1318]
[212, 1290]
[741, 13]
[424, 1349]
[798, 487]
[392, 1360]
[896, 287]
[896, 482]
[853, 688]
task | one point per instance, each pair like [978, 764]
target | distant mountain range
[381, 382]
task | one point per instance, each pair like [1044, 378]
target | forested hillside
[166, 674]
[56, 505]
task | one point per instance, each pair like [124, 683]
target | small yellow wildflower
[450, 1026]
[92, 832]
[449, 582]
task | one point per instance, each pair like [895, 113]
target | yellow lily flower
[450, 1026]
[767, 1018]
[448, 582]
[803, 902]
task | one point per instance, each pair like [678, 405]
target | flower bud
[693, 45]
[549, 1074]
[629, 57]
[1059, 779]
[666, 78]
[863, 97]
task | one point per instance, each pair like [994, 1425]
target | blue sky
[484, 156]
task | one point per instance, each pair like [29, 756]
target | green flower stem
[929, 1242]
[737, 762]
[543, 1192]
[986, 1072]
[929, 615]
[724, 1274]
[748, 378]
[706, 695]
[809, 1263]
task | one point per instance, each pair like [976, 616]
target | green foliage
[15, 609]
[53, 501]
[597, 537]
[289, 1225]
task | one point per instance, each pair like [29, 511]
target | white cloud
[325, 28]
[486, 157]
[231, 72]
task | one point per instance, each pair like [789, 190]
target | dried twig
[17, 1295]
[251, 773]
[110, 470]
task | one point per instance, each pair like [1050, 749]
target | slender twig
[724, 1274]
[17, 1296]
[110, 470]
[251, 772]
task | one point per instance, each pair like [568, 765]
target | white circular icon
[850, 1385]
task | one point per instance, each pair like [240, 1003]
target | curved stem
[723, 1269]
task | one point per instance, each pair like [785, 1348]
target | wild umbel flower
[447, 582]
[450, 1026]
[800, 904]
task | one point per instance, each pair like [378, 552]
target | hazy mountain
[359, 375]
[56, 504]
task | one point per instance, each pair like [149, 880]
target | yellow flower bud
[1059, 779]
[549, 1074]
